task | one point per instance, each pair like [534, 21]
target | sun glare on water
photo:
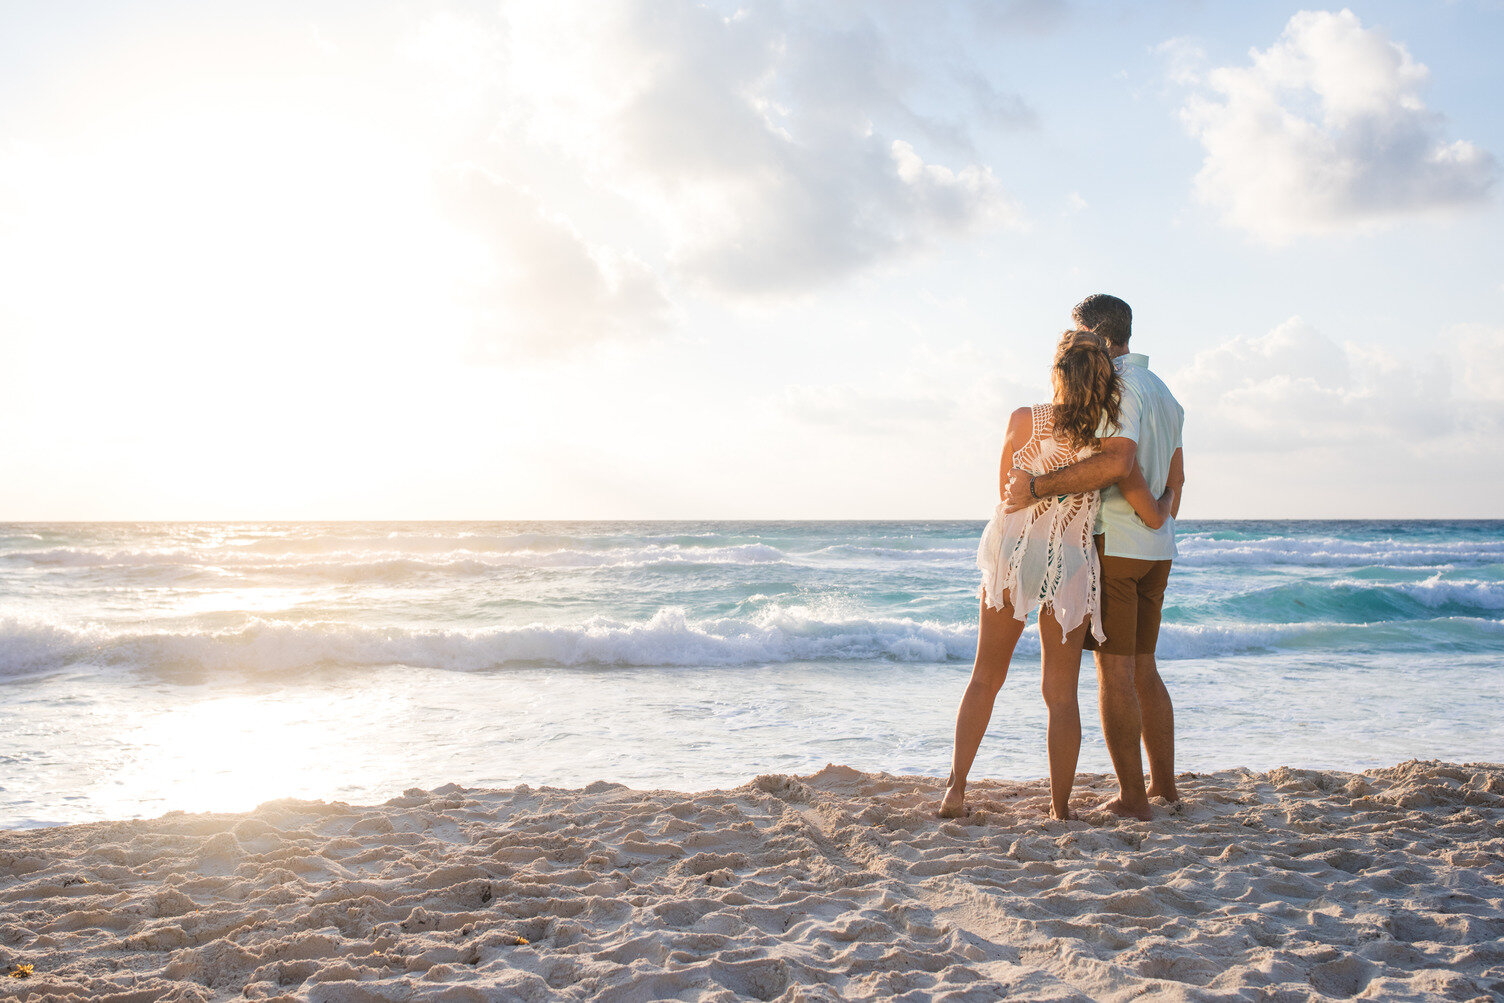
[231, 753]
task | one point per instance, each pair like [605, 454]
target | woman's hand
[1020, 428]
[1175, 481]
[1151, 511]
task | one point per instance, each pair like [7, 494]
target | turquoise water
[150, 667]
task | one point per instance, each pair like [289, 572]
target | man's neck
[1115, 351]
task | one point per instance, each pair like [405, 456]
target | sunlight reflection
[232, 753]
[255, 599]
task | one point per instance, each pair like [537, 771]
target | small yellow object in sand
[520, 942]
[18, 972]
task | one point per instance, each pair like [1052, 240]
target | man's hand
[1016, 495]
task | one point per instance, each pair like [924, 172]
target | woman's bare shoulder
[1020, 429]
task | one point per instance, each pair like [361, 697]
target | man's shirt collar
[1134, 359]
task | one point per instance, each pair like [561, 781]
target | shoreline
[839, 884]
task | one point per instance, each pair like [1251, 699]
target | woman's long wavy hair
[1086, 388]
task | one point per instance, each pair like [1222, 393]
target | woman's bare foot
[1117, 807]
[952, 809]
[1168, 792]
[953, 805]
[1061, 816]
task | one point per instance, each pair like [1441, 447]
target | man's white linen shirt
[1154, 419]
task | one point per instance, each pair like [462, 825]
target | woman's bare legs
[1060, 658]
[997, 634]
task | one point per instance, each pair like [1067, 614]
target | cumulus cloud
[773, 147]
[1291, 389]
[1296, 389]
[1299, 423]
[1480, 359]
[541, 289]
[1325, 130]
[1291, 421]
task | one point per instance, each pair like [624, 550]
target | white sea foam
[398, 541]
[1437, 591]
[352, 564]
[858, 552]
[1350, 600]
[669, 638]
[76, 557]
[342, 557]
[779, 640]
[1334, 552]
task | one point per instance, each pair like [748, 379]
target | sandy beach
[1387, 884]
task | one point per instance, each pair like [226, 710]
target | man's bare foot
[1118, 807]
[1168, 792]
[1060, 816]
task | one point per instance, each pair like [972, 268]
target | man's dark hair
[1106, 315]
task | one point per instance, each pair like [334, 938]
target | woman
[1043, 557]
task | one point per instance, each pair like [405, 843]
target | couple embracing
[1085, 533]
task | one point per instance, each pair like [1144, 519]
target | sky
[664, 259]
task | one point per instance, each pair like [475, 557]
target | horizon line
[738, 519]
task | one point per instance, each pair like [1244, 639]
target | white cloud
[958, 396]
[1291, 391]
[1038, 16]
[1184, 60]
[1293, 422]
[541, 288]
[993, 107]
[1294, 389]
[923, 434]
[862, 411]
[1325, 130]
[1480, 359]
[772, 150]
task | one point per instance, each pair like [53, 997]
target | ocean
[154, 667]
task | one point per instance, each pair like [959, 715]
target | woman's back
[1043, 452]
[1043, 555]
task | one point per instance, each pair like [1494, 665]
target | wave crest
[1335, 552]
[388, 564]
[669, 638]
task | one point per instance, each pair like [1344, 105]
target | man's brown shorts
[1133, 593]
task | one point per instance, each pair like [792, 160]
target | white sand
[1279, 886]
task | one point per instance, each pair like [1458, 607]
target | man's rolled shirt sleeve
[1153, 419]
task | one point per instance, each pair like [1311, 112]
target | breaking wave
[668, 638]
[1335, 552]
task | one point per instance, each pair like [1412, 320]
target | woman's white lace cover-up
[1043, 555]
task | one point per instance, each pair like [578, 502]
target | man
[1135, 559]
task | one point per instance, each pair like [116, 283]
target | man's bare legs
[1158, 716]
[1122, 724]
[1060, 675]
[997, 634]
